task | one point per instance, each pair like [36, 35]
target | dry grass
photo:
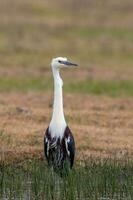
[102, 126]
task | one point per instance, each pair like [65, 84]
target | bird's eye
[59, 61]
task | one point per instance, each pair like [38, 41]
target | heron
[59, 144]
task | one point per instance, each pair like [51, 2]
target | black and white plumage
[58, 150]
[59, 145]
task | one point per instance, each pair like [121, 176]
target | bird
[59, 144]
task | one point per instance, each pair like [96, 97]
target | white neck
[58, 123]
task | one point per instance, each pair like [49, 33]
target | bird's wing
[46, 144]
[70, 145]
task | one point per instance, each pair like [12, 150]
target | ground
[102, 126]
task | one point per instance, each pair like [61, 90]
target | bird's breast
[57, 130]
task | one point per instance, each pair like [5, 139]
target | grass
[31, 84]
[97, 87]
[34, 32]
[27, 47]
[107, 32]
[98, 35]
[92, 179]
[111, 88]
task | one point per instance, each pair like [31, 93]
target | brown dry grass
[102, 126]
[95, 34]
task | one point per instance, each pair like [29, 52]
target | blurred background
[98, 35]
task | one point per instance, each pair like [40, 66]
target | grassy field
[93, 179]
[102, 125]
[98, 96]
[96, 35]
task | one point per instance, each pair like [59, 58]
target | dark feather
[59, 151]
[70, 144]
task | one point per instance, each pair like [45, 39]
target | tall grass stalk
[93, 179]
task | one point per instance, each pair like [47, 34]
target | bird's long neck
[58, 123]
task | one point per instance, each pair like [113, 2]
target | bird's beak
[68, 63]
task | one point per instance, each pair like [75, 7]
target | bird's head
[61, 62]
